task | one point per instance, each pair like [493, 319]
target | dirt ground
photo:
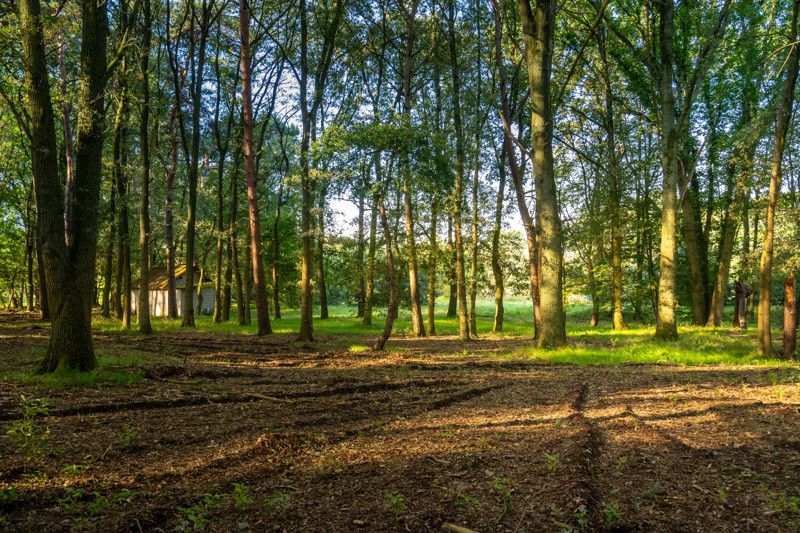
[237, 433]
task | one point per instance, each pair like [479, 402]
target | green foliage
[395, 502]
[29, 437]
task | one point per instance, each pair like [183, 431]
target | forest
[399, 265]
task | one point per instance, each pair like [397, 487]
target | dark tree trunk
[143, 308]
[69, 270]
[391, 280]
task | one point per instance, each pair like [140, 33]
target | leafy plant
[552, 461]
[612, 513]
[396, 503]
[466, 500]
[27, 434]
[241, 498]
[195, 517]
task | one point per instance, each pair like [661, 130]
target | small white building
[158, 292]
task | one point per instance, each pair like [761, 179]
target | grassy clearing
[600, 345]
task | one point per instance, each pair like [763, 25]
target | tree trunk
[538, 43]
[497, 270]
[171, 171]
[666, 325]
[262, 306]
[194, 157]
[434, 253]
[373, 230]
[517, 176]
[463, 325]
[789, 318]
[276, 250]
[360, 256]
[69, 269]
[781, 129]
[66, 113]
[109, 294]
[321, 286]
[391, 280]
[143, 308]
[452, 304]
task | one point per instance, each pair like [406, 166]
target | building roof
[158, 277]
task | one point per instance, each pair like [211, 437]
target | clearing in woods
[222, 431]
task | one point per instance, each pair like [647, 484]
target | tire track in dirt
[590, 460]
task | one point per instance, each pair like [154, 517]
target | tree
[69, 269]
[782, 121]
[537, 29]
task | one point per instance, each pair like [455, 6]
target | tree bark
[360, 254]
[143, 308]
[69, 269]
[262, 306]
[538, 43]
[463, 325]
[789, 318]
[497, 270]
[666, 325]
[781, 129]
[391, 280]
[373, 230]
[432, 263]
[321, 285]
[517, 176]
[452, 304]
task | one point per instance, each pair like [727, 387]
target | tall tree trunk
[171, 171]
[197, 46]
[306, 191]
[373, 230]
[69, 270]
[452, 304]
[517, 174]
[321, 285]
[789, 318]
[44, 305]
[276, 250]
[109, 293]
[262, 306]
[66, 114]
[434, 254]
[417, 323]
[497, 270]
[538, 43]
[458, 192]
[666, 325]
[391, 280]
[614, 190]
[781, 129]
[143, 308]
[360, 255]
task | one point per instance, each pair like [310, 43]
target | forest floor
[228, 432]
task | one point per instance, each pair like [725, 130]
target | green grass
[600, 345]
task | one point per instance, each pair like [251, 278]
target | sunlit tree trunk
[497, 270]
[537, 29]
[432, 263]
[781, 129]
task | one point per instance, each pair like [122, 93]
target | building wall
[158, 301]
